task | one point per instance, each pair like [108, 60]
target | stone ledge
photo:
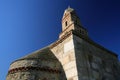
[61, 39]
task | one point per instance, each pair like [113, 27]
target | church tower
[65, 47]
[74, 56]
[82, 58]
[71, 21]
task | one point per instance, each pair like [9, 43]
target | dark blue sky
[28, 25]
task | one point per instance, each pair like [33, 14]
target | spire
[69, 6]
[69, 9]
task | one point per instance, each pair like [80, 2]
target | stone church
[74, 56]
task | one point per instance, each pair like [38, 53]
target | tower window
[66, 23]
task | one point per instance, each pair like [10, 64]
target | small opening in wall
[66, 23]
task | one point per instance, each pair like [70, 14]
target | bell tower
[65, 48]
[70, 21]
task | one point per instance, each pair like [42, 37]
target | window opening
[66, 23]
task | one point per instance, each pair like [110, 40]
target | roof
[68, 10]
[42, 54]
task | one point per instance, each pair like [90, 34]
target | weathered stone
[74, 56]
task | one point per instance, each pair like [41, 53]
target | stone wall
[48, 68]
[94, 63]
[64, 51]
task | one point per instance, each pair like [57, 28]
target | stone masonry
[74, 56]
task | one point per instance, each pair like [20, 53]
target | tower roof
[68, 10]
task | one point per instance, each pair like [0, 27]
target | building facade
[74, 56]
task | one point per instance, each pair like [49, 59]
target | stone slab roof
[42, 54]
